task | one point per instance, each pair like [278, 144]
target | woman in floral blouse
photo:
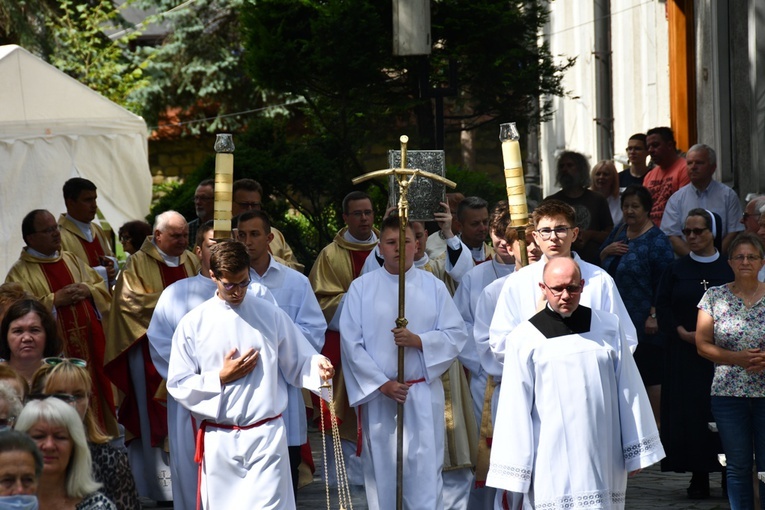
[730, 331]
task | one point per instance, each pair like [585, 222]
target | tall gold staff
[404, 177]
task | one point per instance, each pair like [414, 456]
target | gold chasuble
[282, 251]
[338, 264]
[81, 325]
[135, 296]
[72, 240]
[461, 447]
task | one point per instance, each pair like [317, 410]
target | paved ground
[651, 489]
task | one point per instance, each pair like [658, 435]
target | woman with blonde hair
[605, 181]
[67, 480]
[69, 380]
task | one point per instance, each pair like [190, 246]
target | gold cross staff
[404, 177]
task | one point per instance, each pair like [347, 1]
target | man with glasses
[637, 152]
[335, 268]
[703, 192]
[294, 296]
[64, 283]
[247, 195]
[204, 206]
[231, 360]
[161, 261]
[175, 302]
[573, 416]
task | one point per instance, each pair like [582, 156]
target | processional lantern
[514, 182]
[224, 183]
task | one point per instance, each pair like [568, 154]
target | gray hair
[711, 154]
[8, 394]
[162, 220]
[79, 473]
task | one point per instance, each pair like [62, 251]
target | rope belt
[199, 453]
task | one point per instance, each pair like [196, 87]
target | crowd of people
[180, 377]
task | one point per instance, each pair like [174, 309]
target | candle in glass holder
[516, 188]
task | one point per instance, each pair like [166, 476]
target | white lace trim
[522, 473]
[645, 445]
[594, 499]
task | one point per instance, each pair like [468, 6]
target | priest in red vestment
[161, 261]
[78, 297]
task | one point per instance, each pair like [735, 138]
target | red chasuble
[83, 337]
[93, 249]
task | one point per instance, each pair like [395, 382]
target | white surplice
[370, 360]
[176, 301]
[521, 296]
[573, 418]
[294, 295]
[241, 468]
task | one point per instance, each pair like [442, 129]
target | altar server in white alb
[294, 295]
[370, 339]
[574, 418]
[555, 231]
[174, 303]
[229, 361]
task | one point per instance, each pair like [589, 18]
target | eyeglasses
[359, 214]
[745, 216]
[749, 258]
[64, 397]
[695, 231]
[249, 205]
[49, 230]
[231, 286]
[53, 361]
[558, 291]
[560, 232]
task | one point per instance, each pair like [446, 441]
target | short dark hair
[252, 214]
[136, 231]
[392, 222]
[746, 238]
[207, 182]
[228, 257]
[499, 219]
[203, 229]
[28, 223]
[76, 185]
[20, 309]
[474, 203]
[664, 132]
[553, 208]
[15, 441]
[642, 194]
[354, 195]
[247, 185]
[641, 137]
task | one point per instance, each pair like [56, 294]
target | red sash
[93, 250]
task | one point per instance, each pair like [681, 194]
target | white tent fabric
[53, 128]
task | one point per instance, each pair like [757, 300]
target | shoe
[699, 488]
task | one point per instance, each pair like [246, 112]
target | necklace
[748, 302]
[643, 228]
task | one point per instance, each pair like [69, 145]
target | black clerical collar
[551, 324]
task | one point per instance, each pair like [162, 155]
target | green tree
[84, 51]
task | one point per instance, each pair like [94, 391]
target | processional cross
[404, 177]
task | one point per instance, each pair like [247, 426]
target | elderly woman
[636, 253]
[605, 181]
[10, 405]
[69, 379]
[21, 465]
[27, 335]
[132, 235]
[67, 481]
[729, 331]
[685, 402]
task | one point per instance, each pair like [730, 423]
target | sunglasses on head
[64, 397]
[57, 361]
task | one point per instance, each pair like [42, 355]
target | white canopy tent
[53, 128]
